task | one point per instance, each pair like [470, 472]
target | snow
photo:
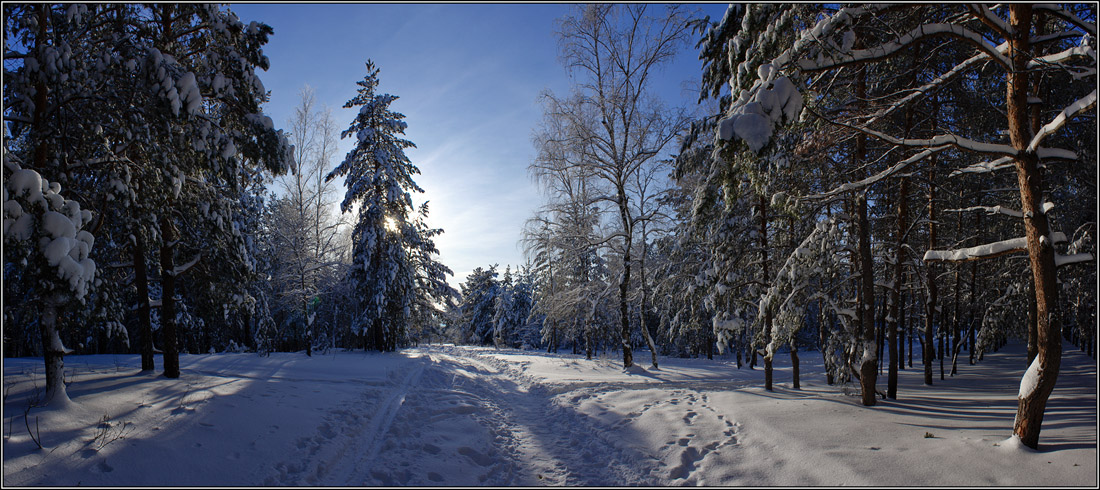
[1060, 260]
[446, 415]
[978, 251]
[1083, 104]
[986, 167]
[1030, 380]
[60, 239]
[754, 116]
[189, 93]
[831, 60]
[26, 182]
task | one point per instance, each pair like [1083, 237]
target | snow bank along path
[447, 415]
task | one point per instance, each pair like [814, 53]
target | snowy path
[464, 418]
[334, 454]
[446, 415]
[460, 419]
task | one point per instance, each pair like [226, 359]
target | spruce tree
[389, 249]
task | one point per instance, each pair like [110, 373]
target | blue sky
[468, 77]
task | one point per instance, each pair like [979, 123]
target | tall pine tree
[389, 250]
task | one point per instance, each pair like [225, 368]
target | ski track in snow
[336, 451]
[464, 418]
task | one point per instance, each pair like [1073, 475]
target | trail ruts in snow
[462, 418]
[349, 439]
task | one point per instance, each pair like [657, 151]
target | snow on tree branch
[1057, 10]
[990, 210]
[1082, 51]
[1080, 105]
[180, 269]
[990, 19]
[937, 82]
[37, 218]
[885, 50]
[986, 251]
[1062, 260]
[986, 167]
[897, 167]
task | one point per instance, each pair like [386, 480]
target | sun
[390, 224]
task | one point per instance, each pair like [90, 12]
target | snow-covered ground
[479, 416]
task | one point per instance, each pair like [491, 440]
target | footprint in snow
[689, 417]
[475, 456]
[688, 458]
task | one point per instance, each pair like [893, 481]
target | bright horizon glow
[468, 77]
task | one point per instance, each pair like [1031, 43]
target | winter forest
[878, 221]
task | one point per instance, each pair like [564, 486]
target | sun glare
[391, 224]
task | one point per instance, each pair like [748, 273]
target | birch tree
[614, 51]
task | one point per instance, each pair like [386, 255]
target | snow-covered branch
[990, 210]
[1060, 12]
[886, 50]
[986, 167]
[986, 251]
[1061, 260]
[940, 80]
[897, 167]
[180, 269]
[1084, 51]
[937, 142]
[992, 20]
[1080, 105]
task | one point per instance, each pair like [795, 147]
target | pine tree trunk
[822, 346]
[928, 349]
[867, 371]
[167, 302]
[53, 356]
[737, 348]
[768, 354]
[909, 326]
[1042, 373]
[587, 342]
[895, 301]
[897, 326]
[794, 366]
[940, 336]
[141, 279]
[956, 341]
[47, 322]
[972, 341]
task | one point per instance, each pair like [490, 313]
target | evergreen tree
[478, 305]
[389, 249]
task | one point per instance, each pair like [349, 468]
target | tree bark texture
[168, 304]
[895, 303]
[928, 349]
[141, 280]
[768, 355]
[867, 371]
[1042, 373]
